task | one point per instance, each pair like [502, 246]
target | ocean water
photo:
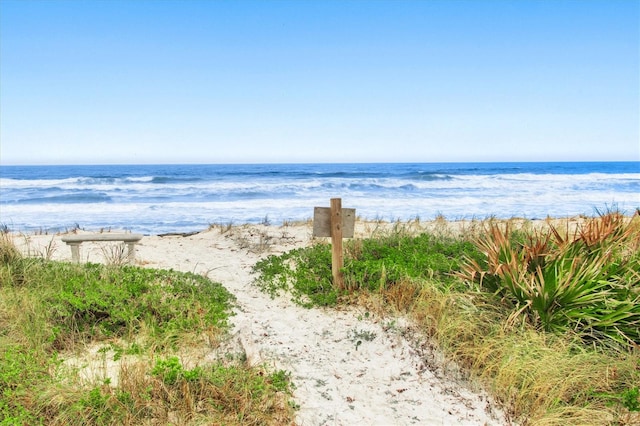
[155, 199]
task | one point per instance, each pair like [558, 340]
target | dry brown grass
[539, 378]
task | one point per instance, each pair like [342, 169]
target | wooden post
[336, 243]
[337, 223]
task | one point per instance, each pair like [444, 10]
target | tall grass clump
[539, 378]
[53, 314]
[585, 281]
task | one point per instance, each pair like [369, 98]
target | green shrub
[305, 272]
[170, 371]
[587, 282]
[378, 263]
[97, 302]
[369, 264]
[48, 307]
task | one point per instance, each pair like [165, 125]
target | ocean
[154, 199]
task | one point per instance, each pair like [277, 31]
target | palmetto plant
[586, 280]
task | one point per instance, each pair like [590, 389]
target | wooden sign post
[337, 223]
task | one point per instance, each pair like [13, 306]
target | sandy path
[384, 380]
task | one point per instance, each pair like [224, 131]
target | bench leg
[131, 252]
[75, 252]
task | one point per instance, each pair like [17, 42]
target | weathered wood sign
[337, 223]
[322, 222]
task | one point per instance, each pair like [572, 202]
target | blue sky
[85, 82]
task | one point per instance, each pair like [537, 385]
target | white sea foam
[155, 200]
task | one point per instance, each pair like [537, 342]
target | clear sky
[164, 81]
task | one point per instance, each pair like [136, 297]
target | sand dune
[394, 378]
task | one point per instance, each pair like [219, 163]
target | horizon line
[313, 163]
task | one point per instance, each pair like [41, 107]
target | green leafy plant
[305, 272]
[370, 264]
[170, 371]
[631, 399]
[365, 335]
[281, 380]
[587, 281]
[358, 336]
[628, 398]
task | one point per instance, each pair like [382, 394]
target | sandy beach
[393, 379]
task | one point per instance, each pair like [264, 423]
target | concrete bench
[74, 242]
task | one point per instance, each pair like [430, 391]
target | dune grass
[546, 318]
[147, 323]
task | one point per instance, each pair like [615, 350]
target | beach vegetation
[265, 221]
[115, 254]
[358, 336]
[585, 280]
[546, 316]
[144, 327]
[310, 285]
[371, 264]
